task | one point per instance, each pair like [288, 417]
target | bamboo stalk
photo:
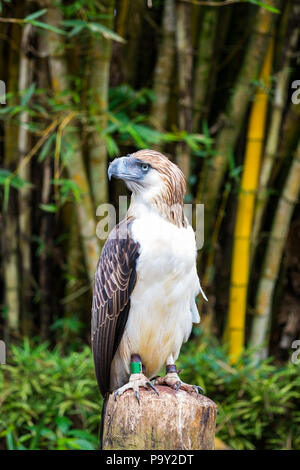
[73, 301]
[215, 168]
[290, 135]
[134, 33]
[164, 68]
[44, 261]
[76, 167]
[99, 84]
[122, 13]
[11, 273]
[274, 252]
[204, 64]
[25, 79]
[243, 225]
[274, 131]
[185, 65]
[10, 242]
[210, 249]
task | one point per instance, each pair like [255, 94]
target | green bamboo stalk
[273, 139]
[215, 168]
[45, 231]
[10, 255]
[164, 68]
[99, 85]
[122, 13]
[76, 167]
[24, 141]
[204, 63]
[184, 72]
[134, 36]
[273, 256]
[11, 274]
[73, 301]
[46, 218]
[290, 134]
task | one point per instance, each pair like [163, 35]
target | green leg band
[135, 367]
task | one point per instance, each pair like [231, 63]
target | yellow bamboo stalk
[243, 226]
[272, 143]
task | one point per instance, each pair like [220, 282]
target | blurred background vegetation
[214, 88]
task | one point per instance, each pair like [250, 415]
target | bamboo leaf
[46, 147]
[30, 91]
[8, 179]
[63, 424]
[79, 25]
[10, 441]
[49, 207]
[264, 5]
[36, 14]
[46, 26]
[112, 146]
[106, 32]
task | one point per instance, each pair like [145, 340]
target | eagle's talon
[152, 386]
[199, 390]
[172, 380]
[177, 386]
[135, 382]
[137, 396]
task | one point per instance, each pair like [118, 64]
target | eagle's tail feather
[105, 400]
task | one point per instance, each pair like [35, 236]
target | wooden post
[172, 420]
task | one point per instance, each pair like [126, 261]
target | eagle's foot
[135, 382]
[172, 380]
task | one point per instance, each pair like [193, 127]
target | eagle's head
[154, 181]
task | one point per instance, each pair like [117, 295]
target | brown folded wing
[114, 282]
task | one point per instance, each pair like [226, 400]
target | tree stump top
[172, 420]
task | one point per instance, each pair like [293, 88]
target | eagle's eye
[145, 167]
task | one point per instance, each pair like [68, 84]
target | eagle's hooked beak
[125, 168]
[117, 168]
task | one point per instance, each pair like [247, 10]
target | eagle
[146, 281]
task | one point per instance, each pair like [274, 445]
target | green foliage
[92, 12]
[79, 25]
[128, 123]
[7, 180]
[48, 401]
[32, 19]
[258, 406]
[264, 5]
[127, 126]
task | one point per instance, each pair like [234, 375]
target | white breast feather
[162, 308]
